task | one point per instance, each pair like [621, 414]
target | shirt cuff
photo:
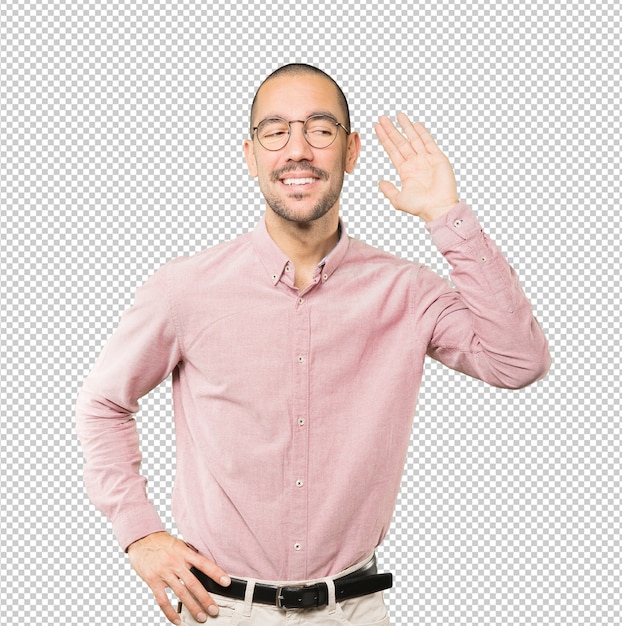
[136, 523]
[454, 227]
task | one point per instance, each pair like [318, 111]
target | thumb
[389, 190]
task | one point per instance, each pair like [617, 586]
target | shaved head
[301, 69]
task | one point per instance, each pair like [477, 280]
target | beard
[283, 209]
[286, 207]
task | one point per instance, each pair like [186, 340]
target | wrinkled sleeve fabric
[484, 326]
[141, 353]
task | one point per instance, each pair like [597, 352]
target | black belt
[359, 583]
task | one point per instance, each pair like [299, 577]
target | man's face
[301, 183]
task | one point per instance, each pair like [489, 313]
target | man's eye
[321, 132]
[275, 133]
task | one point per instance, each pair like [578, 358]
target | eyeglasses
[319, 131]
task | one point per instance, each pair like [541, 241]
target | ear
[352, 152]
[249, 155]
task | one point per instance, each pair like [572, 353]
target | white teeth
[298, 181]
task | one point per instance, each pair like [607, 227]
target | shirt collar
[276, 262]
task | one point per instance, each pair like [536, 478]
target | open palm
[428, 185]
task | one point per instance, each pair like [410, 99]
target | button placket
[296, 473]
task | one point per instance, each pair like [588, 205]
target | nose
[297, 147]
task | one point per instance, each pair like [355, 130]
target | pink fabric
[293, 411]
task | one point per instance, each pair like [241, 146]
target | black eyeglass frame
[304, 134]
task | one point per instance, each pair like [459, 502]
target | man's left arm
[485, 327]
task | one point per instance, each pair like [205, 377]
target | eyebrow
[283, 117]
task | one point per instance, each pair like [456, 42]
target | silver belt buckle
[280, 598]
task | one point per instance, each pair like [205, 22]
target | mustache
[300, 166]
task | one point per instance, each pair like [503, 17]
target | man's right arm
[143, 351]
[140, 354]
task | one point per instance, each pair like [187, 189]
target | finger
[389, 190]
[412, 132]
[396, 138]
[390, 148]
[165, 606]
[210, 569]
[194, 597]
[194, 594]
[428, 141]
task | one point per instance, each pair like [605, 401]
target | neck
[305, 243]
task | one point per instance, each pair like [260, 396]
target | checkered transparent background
[120, 147]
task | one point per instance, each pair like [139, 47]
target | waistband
[358, 580]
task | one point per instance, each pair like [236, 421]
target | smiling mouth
[299, 175]
[298, 181]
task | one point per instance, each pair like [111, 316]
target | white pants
[369, 610]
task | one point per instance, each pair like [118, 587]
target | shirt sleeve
[484, 326]
[142, 352]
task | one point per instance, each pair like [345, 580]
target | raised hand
[428, 185]
[163, 561]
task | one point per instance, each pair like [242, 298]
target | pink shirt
[293, 410]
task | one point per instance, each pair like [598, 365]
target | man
[296, 355]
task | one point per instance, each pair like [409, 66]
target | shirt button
[274, 276]
[297, 546]
[457, 223]
[301, 359]
[325, 276]
[287, 268]
[301, 300]
[301, 421]
[299, 483]
[483, 259]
